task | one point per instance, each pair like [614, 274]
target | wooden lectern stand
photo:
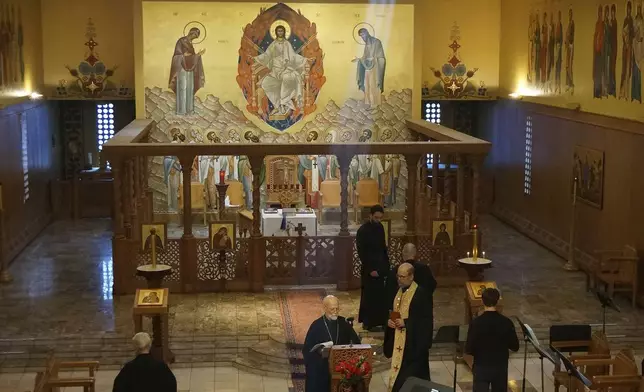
[347, 353]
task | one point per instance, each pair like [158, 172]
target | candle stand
[221, 192]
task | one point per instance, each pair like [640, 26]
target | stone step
[264, 368]
[273, 351]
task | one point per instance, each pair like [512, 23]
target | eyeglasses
[403, 276]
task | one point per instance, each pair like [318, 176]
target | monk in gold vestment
[408, 336]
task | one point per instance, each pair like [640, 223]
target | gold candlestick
[475, 248]
[154, 249]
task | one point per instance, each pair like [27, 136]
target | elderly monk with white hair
[144, 373]
[408, 335]
[331, 329]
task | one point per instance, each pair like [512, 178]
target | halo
[362, 25]
[280, 22]
[200, 26]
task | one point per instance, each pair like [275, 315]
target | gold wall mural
[278, 73]
[277, 65]
[575, 54]
[20, 48]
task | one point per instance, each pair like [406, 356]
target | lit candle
[222, 176]
[483, 254]
[475, 247]
[468, 254]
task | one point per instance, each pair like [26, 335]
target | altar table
[271, 223]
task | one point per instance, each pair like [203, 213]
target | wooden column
[149, 195]
[446, 200]
[257, 250]
[188, 245]
[412, 175]
[344, 241]
[435, 162]
[477, 162]
[460, 193]
[136, 198]
[125, 198]
[120, 245]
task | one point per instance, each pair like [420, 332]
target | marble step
[263, 368]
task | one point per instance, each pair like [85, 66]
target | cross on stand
[300, 229]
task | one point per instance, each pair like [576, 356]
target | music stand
[606, 302]
[449, 334]
[571, 370]
[529, 336]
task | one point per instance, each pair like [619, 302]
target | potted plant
[354, 373]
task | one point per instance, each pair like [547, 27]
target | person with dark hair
[372, 250]
[489, 338]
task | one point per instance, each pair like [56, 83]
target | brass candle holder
[475, 247]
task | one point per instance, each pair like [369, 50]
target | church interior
[501, 137]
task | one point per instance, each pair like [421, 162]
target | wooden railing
[258, 261]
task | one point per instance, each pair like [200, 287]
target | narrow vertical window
[25, 156]
[433, 115]
[527, 164]
[104, 123]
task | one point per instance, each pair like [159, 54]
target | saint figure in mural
[598, 58]
[570, 52]
[537, 49]
[543, 58]
[371, 68]
[283, 85]
[172, 172]
[531, 43]
[612, 53]
[638, 55]
[186, 71]
[551, 52]
[558, 53]
[628, 34]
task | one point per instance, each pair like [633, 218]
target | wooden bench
[49, 381]
[598, 349]
[623, 368]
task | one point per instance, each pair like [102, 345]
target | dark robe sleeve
[362, 245]
[430, 285]
[513, 343]
[388, 345]
[121, 381]
[419, 323]
[309, 342]
[471, 339]
[348, 335]
[169, 380]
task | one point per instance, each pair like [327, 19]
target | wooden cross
[300, 229]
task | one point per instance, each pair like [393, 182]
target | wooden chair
[198, 199]
[598, 348]
[48, 381]
[235, 193]
[329, 195]
[622, 368]
[367, 194]
[617, 271]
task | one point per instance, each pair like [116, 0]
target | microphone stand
[606, 302]
[528, 336]
[449, 334]
[525, 360]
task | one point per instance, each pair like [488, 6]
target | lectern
[342, 353]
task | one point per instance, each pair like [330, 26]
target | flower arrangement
[353, 371]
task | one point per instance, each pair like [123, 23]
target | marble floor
[228, 379]
[61, 298]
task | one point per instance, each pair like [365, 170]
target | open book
[322, 346]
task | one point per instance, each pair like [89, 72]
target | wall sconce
[35, 96]
[573, 105]
[516, 96]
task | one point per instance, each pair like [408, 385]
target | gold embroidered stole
[401, 304]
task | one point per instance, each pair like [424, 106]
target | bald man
[423, 276]
[408, 335]
[329, 328]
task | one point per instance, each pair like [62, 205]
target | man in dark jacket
[372, 250]
[144, 373]
[489, 338]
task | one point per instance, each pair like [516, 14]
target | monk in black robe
[372, 250]
[423, 276]
[408, 336]
[328, 328]
[145, 373]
